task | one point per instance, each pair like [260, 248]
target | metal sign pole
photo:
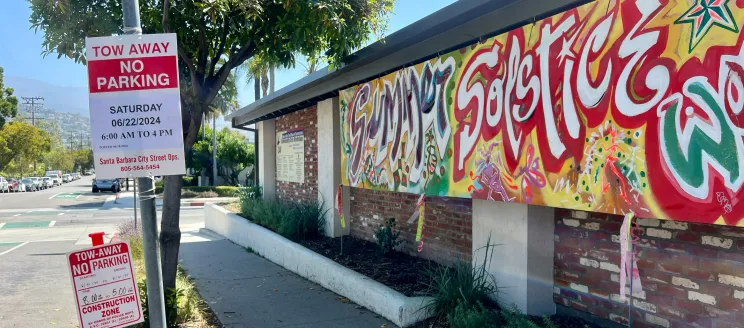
[155, 296]
[134, 181]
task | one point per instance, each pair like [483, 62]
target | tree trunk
[257, 87]
[271, 80]
[170, 234]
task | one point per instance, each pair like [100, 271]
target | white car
[4, 185]
[66, 178]
[48, 182]
[56, 180]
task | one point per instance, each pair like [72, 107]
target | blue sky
[21, 55]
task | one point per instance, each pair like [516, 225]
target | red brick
[689, 306]
[696, 274]
[715, 289]
[579, 306]
[659, 298]
[740, 244]
[646, 264]
[692, 237]
[730, 303]
[704, 228]
[722, 324]
[699, 320]
[725, 267]
[672, 291]
[670, 312]
[731, 256]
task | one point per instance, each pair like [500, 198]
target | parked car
[38, 183]
[48, 182]
[4, 185]
[66, 178]
[14, 185]
[28, 185]
[56, 180]
[106, 184]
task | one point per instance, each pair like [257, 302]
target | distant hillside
[60, 98]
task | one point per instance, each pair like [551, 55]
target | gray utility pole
[214, 149]
[155, 296]
[31, 102]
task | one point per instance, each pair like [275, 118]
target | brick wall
[692, 274]
[307, 120]
[448, 222]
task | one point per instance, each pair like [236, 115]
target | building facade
[541, 126]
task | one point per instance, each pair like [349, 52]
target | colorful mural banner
[614, 106]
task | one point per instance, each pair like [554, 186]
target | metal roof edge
[461, 23]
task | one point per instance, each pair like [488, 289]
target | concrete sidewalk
[126, 200]
[246, 290]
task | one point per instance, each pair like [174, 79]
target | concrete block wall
[692, 274]
[307, 120]
[447, 232]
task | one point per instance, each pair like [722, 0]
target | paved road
[73, 195]
[36, 231]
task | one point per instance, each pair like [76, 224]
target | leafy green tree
[82, 159]
[22, 144]
[210, 31]
[8, 102]
[234, 153]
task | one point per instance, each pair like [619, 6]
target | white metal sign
[105, 286]
[290, 156]
[135, 107]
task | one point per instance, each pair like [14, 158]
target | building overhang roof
[459, 24]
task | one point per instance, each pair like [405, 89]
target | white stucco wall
[267, 157]
[329, 162]
[522, 264]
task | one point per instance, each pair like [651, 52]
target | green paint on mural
[25, 225]
[690, 167]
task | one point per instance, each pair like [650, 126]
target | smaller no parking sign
[105, 287]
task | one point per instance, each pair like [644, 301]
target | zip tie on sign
[153, 196]
[339, 206]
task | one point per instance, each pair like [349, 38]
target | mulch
[399, 271]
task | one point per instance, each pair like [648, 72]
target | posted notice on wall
[290, 156]
[105, 287]
[135, 107]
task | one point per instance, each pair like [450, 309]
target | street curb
[383, 300]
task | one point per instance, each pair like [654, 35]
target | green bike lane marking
[67, 195]
[27, 224]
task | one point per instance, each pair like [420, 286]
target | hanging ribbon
[421, 203]
[419, 214]
[339, 206]
[628, 237]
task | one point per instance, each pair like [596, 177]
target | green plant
[387, 237]
[469, 316]
[516, 319]
[293, 220]
[462, 283]
[306, 222]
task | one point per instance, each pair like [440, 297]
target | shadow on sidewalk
[246, 290]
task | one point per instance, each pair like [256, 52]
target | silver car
[28, 185]
[48, 182]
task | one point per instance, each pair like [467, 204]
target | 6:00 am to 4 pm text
[136, 134]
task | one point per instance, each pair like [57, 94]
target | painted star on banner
[703, 15]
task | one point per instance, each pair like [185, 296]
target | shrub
[515, 319]
[462, 283]
[387, 237]
[467, 316]
[295, 221]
